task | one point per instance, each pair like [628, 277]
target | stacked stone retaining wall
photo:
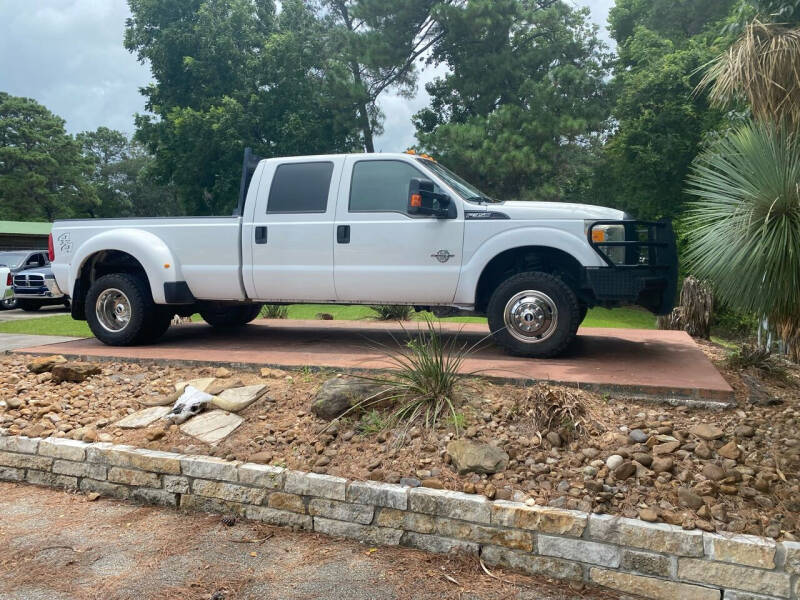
[654, 560]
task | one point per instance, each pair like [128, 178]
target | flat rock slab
[144, 417]
[236, 399]
[199, 384]
[212, 427]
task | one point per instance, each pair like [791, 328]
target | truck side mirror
[422, 200]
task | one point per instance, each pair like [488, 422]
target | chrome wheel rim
[531, 316]
[113, 310]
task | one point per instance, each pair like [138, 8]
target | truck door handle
[343, 234]
[261, 235]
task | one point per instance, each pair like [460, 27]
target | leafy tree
[524, 99]
[659, 123]
[123, 179]
[233, 73]
[43, 175]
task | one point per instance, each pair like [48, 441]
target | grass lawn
[622, 318]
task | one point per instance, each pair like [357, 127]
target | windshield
[463, 188]
[12, 259]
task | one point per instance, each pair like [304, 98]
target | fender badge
[442, 256]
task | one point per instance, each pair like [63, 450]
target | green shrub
[393, 312]
[274, 311]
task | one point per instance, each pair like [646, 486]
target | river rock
[74, 371]
[689, 499]
[476, 457]
[42, 364]
[707, 432]
[613, 461]
[730, 450]
[340, 394]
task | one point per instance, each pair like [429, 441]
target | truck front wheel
[120, 311]
[534, 314]
[230, 316]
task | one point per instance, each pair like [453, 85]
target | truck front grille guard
[659, 243]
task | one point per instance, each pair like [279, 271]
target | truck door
[384, 255]
[290, 231]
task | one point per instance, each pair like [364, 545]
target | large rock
[42, 364]
[475, 457]
[340, 394]
[236, 399]
[74, 371]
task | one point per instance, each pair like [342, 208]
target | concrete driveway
[21, 315]
[60, 546]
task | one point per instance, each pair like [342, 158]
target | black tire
[9, 304]
[29, 305]
[584, 309]
[144, 323]
[552, 316]
[223, 316]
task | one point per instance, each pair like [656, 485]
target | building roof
[24, 228]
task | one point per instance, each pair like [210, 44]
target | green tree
[43, 175]
[123, 179]
[230, 74]
[659, 124]
[524, 100]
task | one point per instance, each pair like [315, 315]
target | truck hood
[532, 210]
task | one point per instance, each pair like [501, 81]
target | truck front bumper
[648, 274]
[48, 291]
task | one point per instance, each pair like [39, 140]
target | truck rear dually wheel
[120, 311]
[533, 314]
[221, 315]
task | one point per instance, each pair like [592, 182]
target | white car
[366, 229]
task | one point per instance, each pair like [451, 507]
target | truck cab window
[382, 185]
[300, 188]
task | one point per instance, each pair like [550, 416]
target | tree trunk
[366, 128]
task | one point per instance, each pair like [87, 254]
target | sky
[68, 55]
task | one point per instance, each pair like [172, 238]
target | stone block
[228, 491]
[532, 565]
[52, 480]
[212, 505]
[283, 501]
[378, 536]
[19, 443]
[483, 534]
[378, 494]
[735, 576]
[104, 488]
[446, 503]
[650, 587]
[438, 544]
[265, 476]
[133, 477]
[151, 496]
[176, 484]
[538, 518]
[792, 552]
[341, 511]
[312, 484]
[79, 469]
[282, 518]
[209, 467]
[646, 563]
[734, 595]
[25, 461]
[408, 521]
[658, 537]
[593, 553]
[137, 458]
[747, 550]
[11, 474]
[63, 448]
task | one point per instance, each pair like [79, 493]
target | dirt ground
[55, 545]
[745, 479]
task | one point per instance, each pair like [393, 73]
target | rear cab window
[301, 187]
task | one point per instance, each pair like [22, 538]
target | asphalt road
[58, 546]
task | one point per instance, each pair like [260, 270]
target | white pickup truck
[366, 229]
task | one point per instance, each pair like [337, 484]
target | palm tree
[744, 227]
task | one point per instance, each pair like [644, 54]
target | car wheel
[9, 304]
[533, 314]
[223, 316]
[29, 305]
[120, 310]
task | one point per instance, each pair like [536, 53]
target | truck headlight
[609, 233]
